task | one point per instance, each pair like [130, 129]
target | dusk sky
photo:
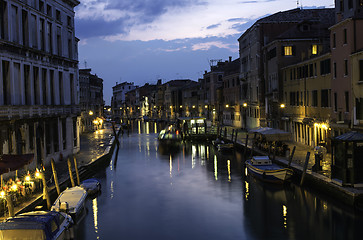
[141, 41]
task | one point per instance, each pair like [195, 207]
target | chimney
[230, 58]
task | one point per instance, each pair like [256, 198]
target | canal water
[194, 192]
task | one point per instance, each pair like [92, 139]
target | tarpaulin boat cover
[14, 162]
[272, 134]
[32, 225]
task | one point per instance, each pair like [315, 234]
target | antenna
[85, 64]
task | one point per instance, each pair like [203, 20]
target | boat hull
[269, 173]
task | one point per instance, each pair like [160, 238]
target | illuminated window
[314, 49]
[361, 3]
[288, 50]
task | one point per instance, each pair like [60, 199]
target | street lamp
[282, 105]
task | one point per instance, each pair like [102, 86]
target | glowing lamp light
[14, 187]
[244, 104]
[193, 106]
[171, 107]
[2, 194]
[27, 178]
[181, 106]
[227, 106]
[90, 113]
[37, 174]
[206, 106]
[282, 105]
[324, 126]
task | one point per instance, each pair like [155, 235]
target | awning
[14, 162]
[350, 137]
[272, 134]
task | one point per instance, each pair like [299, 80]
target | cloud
[146, 20]
[213, 26]
[205, 46]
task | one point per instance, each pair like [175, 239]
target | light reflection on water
[197, 193]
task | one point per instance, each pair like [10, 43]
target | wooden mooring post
[291, 156]
[305, 168]
[76, 168]
[55, 176]
[246, 146]
[45, 190]
[70, 172]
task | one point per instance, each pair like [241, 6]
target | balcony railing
[23, 112]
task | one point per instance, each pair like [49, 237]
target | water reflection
[95, 215]
[198, 193]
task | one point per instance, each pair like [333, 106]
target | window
[350, 4]
[49, 10]
[345, 36]
[361, 69]
[292, 98]
[334, 40]
[314, 98]
[335, 102]
[359, 107]
[42, 34]
[346, 95]
[311, 70]
[287, 51]
[15, 24]
[41, 6]
[345, 67]
[49, 32]
[271, 54]
[33, 32]
[324, 98]
[361, 3]
[325, 66]
[314, 49]
[335, 69]
[25, 27]
[341, 5]
[69, 21]
[58, 15]
[59, 41]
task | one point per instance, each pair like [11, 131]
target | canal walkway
[320, 180]
[93, 145]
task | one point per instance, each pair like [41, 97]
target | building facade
[39, 99]
[91, 100]
[252, 45]
[346, 43]
[307, 94]
[119, 97]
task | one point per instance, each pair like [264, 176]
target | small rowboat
[92, 186]
[262, 168]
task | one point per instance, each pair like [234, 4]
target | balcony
[26, 112]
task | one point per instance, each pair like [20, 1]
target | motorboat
[170, 135]
[223, 146]
[262, 168]
[92, 186]
[72, 201]
[38, 225]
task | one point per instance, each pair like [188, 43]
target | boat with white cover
[72, 201]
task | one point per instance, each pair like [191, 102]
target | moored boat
[92, 186]
[262, 168]
[170, 135]
[72, 201]
[46, 225]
